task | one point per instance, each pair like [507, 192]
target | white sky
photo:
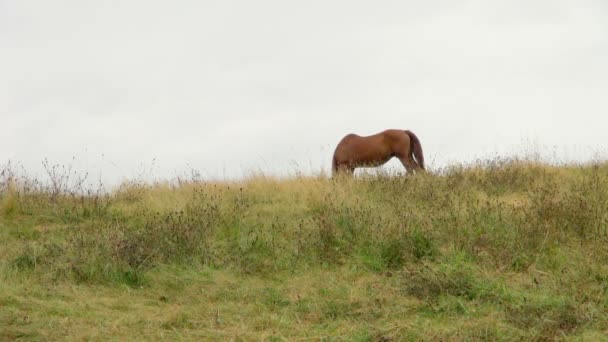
[231, 87]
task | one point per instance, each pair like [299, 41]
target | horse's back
[363, 149]
[394, 134]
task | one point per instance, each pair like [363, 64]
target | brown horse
[355, 151]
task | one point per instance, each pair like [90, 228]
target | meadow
[502, 249]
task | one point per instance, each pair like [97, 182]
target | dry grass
[500, 250]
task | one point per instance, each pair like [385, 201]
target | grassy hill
[500, 250]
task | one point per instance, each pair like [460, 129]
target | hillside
[500, 250]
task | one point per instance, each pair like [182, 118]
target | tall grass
[518, 239]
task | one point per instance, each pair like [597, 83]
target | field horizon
[500, 249]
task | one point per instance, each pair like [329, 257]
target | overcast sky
[231, 87]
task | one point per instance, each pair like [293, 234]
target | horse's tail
[416, 148]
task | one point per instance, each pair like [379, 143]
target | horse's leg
[343, 169]
[409, 163]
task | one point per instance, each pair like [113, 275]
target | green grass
[501, 250]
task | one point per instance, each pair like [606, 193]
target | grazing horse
[355, 151]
